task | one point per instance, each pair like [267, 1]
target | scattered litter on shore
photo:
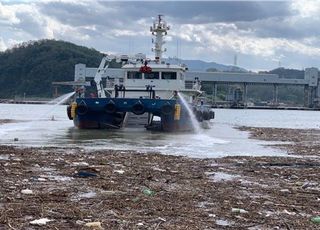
[40, 222]
[94, 225]
[27, 191]
[71, 189]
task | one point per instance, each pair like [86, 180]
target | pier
[310, 83]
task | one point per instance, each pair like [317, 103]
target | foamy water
[221, 140]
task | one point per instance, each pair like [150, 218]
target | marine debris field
[63, 188]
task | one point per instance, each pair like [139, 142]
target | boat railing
[191, 85]
[111, 82]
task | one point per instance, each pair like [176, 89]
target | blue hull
[109, 113]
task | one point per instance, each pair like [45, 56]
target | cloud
[27, 18]
[260, 30]
[306, 8]
[295, 26]
[78, 13]
[224, 36]
[3, 46]
[7, 15]
[203, 11]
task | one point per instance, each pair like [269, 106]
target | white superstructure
[138, 72]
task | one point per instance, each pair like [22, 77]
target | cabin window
[152, 75]
[169, 75]
[134, 75]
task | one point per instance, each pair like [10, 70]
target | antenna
[177, 49]
[235, 60]
[180, 48]
[159, 30]
[131, 46]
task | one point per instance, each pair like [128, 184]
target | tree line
[31, 67]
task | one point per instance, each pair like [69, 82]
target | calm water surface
[48, 125]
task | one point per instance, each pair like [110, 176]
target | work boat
[141, 93]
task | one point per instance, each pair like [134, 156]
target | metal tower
[159, 30]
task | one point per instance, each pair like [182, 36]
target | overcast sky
[260, 33]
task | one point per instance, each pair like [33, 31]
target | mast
[159, 30]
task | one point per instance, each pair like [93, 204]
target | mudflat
[132, 190]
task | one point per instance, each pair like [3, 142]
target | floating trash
[94, 225]
[85, 174]
[315, 219]
[238, 210]
[26, 191]
[40, 222]
[119, 171]
[148, 192]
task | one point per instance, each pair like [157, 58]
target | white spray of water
[194, 121]
[27, 125]
[57, 101]
[62, 99]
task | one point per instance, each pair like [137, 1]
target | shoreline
[125, 189]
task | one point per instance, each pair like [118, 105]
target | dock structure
[310, 82]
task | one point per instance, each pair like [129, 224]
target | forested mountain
[287, 73]
[31, 67]
[199, 65]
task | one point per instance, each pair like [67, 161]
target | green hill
[287, 73]
[31, 67]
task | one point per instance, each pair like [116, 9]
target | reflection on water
[36, 128]
[141, 140]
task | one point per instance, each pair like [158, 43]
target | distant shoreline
[22, 102]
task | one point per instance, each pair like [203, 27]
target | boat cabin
[163, 78]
